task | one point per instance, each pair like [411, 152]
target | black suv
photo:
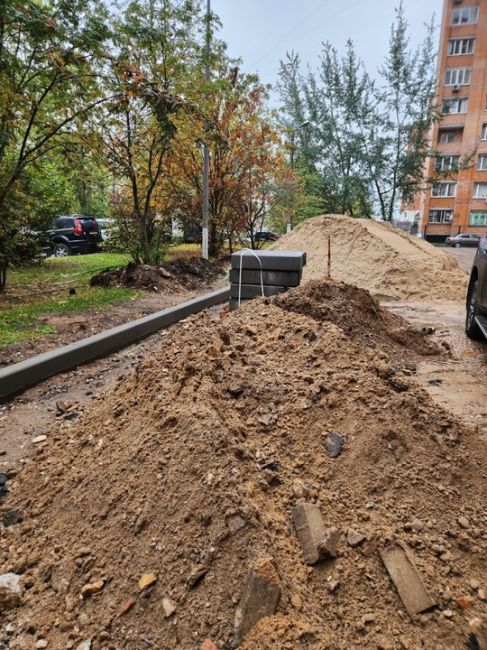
[476, 322]
[74, 233]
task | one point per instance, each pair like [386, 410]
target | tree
[48, 79]
[245, 158]
[150, 82]
[368, 140]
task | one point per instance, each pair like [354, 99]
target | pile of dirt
[189, 470]
[358, 315]
[378, 257]
[187, 272]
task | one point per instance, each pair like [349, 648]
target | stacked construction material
[263, 273]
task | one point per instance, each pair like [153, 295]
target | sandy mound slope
[190, 470]
[378, 257]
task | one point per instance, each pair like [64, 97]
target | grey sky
[260, 31]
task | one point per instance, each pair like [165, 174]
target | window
[458, 76]
[441, 216]
[455, 105]
[446, 163]
[460, 46]
[480, 191]
[447, 136]
[465, 16]
[482, 163]
[483, 135]
[444, 189]
[478, 218]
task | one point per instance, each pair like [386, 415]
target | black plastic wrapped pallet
[270, 260]
[269, 278]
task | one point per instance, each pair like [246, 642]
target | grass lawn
[44, 289]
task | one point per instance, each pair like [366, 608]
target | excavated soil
[190, 273]
[378, 257]
[188, 470]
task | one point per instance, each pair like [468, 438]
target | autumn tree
[245, 158]
[150, 81]
[48, 78]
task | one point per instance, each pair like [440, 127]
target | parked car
[264, 234]
[476, 321]
[74, 233]
[463, 239]
[106, 226]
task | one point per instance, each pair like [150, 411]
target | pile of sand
[378, 257]
[188, 470]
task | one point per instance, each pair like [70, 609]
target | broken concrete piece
[310, 529]
[407, 580]
[354, 538]
[39, 439]
[168, 606]
[10, 591]
[147, 580]
[327, 544]
[92, 588]
[260, 597]
[299, 489]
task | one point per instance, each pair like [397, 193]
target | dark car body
[476, 321]
[264, 235]
[74, 233]
[463, 239]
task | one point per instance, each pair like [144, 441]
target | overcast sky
[260, 31]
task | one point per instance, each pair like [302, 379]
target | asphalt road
[464, 256]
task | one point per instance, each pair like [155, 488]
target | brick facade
[462, 75]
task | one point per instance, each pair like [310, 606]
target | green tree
[368, 140]
[48, 79]
[151, 81]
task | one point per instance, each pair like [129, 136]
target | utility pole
[206, 152]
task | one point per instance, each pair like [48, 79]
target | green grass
[42, 290]
[21, 322]
[74, 271]
[35, 292]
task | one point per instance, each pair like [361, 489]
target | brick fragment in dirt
[407, 580]
[317, 542]
[260, 597]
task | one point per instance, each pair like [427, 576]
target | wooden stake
[329, 256]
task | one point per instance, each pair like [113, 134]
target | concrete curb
[20, 376]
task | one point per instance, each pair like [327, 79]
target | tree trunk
[3, 276]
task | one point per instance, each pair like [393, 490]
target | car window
[63, 222]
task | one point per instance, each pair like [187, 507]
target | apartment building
[457, 201]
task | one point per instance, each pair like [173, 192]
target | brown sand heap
[186, 476]
[378, 257]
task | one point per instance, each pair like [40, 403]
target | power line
[291, 31]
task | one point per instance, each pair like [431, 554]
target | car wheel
[61, 250]
[457, 245]
[472, 330]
